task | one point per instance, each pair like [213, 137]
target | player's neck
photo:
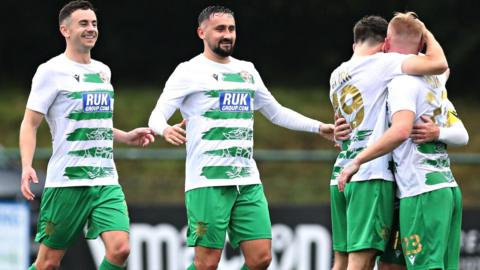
[78, 56]
[365, 49]
[215, 57]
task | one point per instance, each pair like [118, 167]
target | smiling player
[73, 93]
[217, 95]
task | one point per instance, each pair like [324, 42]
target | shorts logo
[411, 258]
[96, 102]
[201, 228]
[235, 102]
[49, 228]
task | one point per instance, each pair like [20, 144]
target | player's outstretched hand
[326, 131]
[347, 173]
[426, 131]
[28, 175]
[140, 137]
[342, 129]
[176, 134]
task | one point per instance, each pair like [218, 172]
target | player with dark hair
[217, 95]
[430, 199]
[74, 94]
[362, 215]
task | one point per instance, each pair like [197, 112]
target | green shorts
[393, 253]
[242, 211]
[362, 215]
[430, 226]
[64, 211]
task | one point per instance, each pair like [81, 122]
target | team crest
[201, 228]
[49, 228]
[246, 77]
[103, 76]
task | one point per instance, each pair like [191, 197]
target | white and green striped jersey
[358, 91]
[218, 101]
[424, 167]
[77, 101]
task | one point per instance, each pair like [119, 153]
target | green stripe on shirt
[79, 115]
[228, 115]
[91, 134]
[231, 152]
[224, 133]
[88, 172]
[225, 172]
[94, 152]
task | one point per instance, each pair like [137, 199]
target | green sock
[191, 267]
[244, 267]
[32, 267]
[106, 265]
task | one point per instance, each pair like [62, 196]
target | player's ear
[64, 31]
[201, 32]
[353, 46]
[386, 45]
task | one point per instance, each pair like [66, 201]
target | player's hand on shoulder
[28, 175]
[176, 134]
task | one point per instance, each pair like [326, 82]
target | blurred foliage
[149, 182]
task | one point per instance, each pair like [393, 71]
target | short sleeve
[402, 94]
[392, 63]
[43, 91]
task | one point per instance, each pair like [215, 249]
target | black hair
[72, 6]
[210, 10]
[370, 28]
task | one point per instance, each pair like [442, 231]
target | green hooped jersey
[358, 92]
[77, 101]
[421, 168]
[218, 102]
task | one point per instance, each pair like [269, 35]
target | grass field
[148, 182]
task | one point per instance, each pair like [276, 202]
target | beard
[224, 52]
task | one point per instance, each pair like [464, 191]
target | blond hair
[405, 26]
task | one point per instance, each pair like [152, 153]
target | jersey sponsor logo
[235, 102]
[96, 102]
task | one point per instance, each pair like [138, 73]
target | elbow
[463, 140]
[440, 67]
[402, 134]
